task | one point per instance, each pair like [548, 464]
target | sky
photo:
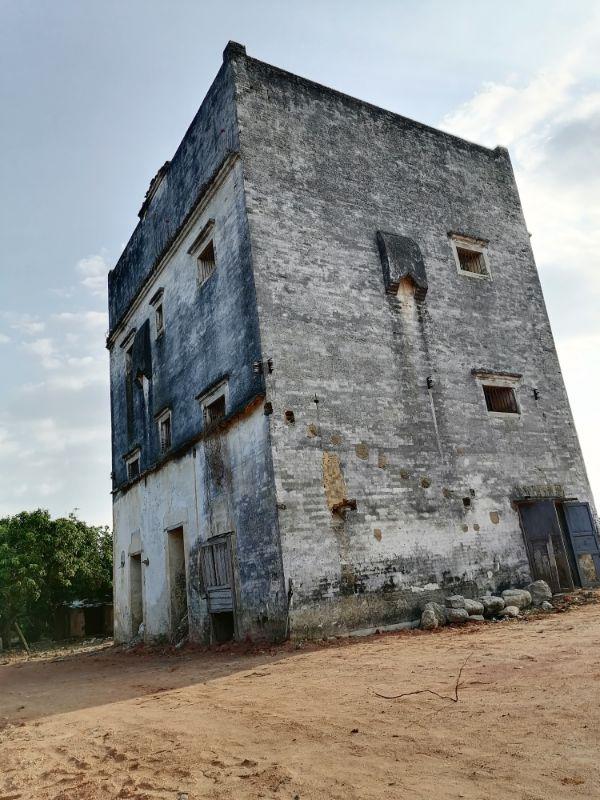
[95, 96]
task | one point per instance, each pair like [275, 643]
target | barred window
[470, 255]
[206, 262]
[214, 411]
[214, 404]
[159, 313]
[133, 465]
[501, 399]
[165, 431]
[471, 261]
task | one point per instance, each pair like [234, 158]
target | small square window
[470, 256]
[214, 403]
[501, 399]
[160, 319]
[206, 262]
[215, 410]
[133, 465]
[471, 261]
[165, 431]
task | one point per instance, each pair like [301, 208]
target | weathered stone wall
[179, 495]
[210, 137]
[211, 331]
[210, 334]
[323, 173]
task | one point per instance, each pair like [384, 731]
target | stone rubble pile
[464, 609]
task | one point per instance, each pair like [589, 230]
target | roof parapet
[233, 50]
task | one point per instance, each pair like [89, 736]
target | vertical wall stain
[333, 480]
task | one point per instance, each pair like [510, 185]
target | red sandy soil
[306, 723]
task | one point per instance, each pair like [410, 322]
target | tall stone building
[335, 392]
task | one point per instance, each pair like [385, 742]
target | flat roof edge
[366, 104]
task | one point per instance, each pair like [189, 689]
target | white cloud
[87, 319]
[94, 270]
[74, 356]
[55, 461]
[40, 347]
[551, 123]
[45, 350]
[27, 324]
[523, 116]
[54, 427]
[577, 355]
[64, 292]
[4, 339]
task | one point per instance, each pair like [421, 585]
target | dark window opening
[133, 468]
[501, 399]
[160, 320]
[471, 261]
[214, 411]
[206, 262]
[164, 426]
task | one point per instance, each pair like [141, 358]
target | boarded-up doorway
[177, 583]
[136, 600]
[218, 577]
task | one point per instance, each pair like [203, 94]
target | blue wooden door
[584, 540]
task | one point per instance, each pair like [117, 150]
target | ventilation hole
[289, 416]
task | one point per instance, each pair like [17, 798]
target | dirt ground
[307, 723]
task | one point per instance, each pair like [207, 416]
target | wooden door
[545, 545]
[217, 574]
[584, 539]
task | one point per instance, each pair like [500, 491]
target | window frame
[131, 458]
[203, 240]
[165, 416]
[157, 302]
[487, 385]
[462, 242]
[204, 276]
[500, 381]
[159, 319]
[212, 396]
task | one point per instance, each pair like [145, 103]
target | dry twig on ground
[431, 691]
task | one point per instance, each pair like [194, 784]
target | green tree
[45, 562]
